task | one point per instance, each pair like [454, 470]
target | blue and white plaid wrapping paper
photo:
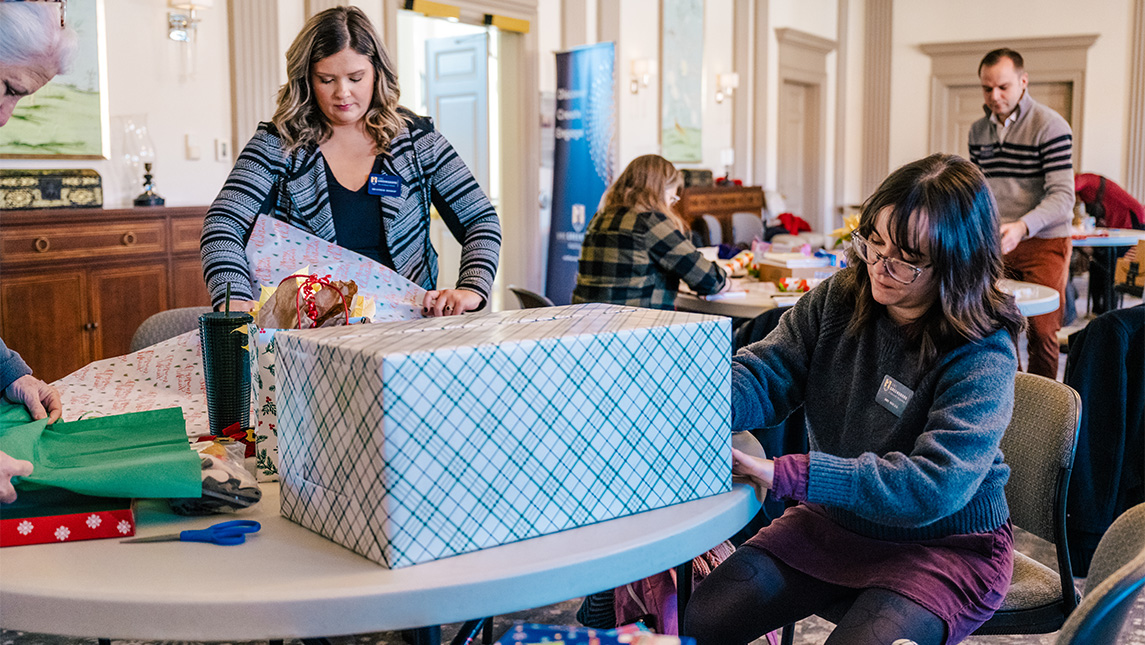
[411, 441]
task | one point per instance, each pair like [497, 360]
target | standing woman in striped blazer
[342, 161]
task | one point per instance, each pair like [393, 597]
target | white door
[798, 161]
[457, 95]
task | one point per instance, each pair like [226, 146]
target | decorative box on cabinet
[721, 202]
[75, 284]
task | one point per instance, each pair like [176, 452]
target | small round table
[749, 299]
[1104, 242]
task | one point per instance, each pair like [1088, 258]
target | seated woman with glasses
[637, 248]
[904, 364]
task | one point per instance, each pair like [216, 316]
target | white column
[256, 65]
[840, 160]
[751, 32]
[1135, 164]
[318, 6]
[877, 91]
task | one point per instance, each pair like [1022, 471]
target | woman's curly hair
[297, 117]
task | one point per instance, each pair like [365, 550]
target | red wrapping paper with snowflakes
[52, 515]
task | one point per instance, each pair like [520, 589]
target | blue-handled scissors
[225, 533]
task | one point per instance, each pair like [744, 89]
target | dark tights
[752, 593]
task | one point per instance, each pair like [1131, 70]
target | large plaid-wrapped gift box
[412, 441]
[274, 250]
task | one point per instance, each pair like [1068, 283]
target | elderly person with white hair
[34, 47]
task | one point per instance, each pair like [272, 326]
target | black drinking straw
[228, 301]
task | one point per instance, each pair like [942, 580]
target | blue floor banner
[582, 157]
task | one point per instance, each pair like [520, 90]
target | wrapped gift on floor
[48, 514]
[529, 634]
[412, 441]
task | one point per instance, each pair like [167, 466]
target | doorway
[449, 71]
[798, 142]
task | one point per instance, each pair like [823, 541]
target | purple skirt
[962, 579]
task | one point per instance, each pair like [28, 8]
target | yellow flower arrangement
[850, 223]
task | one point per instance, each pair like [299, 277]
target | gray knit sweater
[1031, 171]
[933, 472]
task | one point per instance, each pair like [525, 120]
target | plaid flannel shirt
[630, 258]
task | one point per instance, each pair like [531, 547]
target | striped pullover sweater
[1031, 172]
[292, 188]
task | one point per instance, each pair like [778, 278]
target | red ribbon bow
[306, 292]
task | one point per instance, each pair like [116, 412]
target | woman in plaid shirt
[636, 250]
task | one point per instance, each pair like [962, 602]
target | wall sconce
[726, 85]
[642, 71]
[181, 24]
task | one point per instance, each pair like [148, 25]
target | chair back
[709, 228]
[1039, 447]
[529, 299]
[166, 324]
[746, 227]
[1116, 579]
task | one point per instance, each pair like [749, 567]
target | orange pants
[1045, 262]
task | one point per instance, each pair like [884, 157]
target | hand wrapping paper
[170, 373]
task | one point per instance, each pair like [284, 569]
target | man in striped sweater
[1025, 149]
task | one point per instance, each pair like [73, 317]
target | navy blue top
[358, 219]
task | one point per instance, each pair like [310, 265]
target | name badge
[384, 185]
[893, 395]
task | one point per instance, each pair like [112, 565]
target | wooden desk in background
[720, 202]
[75, 283]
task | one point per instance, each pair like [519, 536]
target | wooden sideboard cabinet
[76, 283]
[721, 202]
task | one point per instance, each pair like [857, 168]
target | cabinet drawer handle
[128, 238]
[42, 245]
[90, 326]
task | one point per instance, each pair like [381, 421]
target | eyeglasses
[899, 271]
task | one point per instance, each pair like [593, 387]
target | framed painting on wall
[682, 59]
[67, 117]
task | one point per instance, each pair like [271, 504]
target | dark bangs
[965, 252]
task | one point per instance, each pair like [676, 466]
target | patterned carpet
[808, 632]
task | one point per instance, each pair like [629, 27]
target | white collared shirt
[1000, 127]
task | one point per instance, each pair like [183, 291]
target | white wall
[718, 59]
[548, 30]
[148, 76]
[1107, 73]
[638, 122]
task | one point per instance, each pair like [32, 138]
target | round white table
[1033, 299]
[287, 582]
[1104, 241]
[746, 299]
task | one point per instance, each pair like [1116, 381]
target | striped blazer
[1030, 171]
[292, 188]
